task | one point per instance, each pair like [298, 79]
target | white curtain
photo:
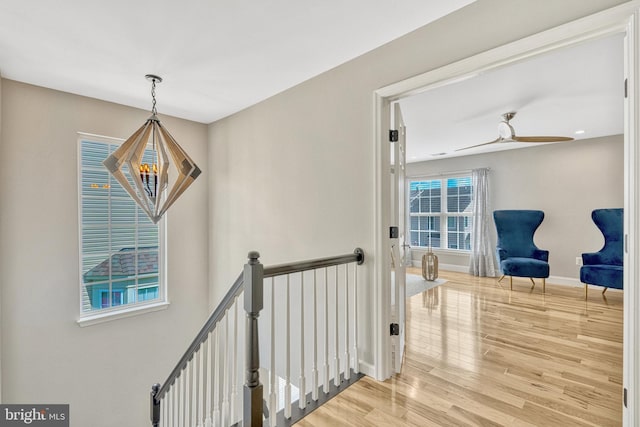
[482, 260]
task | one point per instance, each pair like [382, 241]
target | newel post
[155, 406]
[253, 303]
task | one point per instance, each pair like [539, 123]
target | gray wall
[103, 371]
[293, 176]
[565, 180]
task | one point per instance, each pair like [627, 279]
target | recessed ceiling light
[579, 132]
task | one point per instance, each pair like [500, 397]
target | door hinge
[393, 135]
[394, 329]
[624, 397]
[626, 83]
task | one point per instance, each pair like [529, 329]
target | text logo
[34, 415]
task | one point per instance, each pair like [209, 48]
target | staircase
[300, 317]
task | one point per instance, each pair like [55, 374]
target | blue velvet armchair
[516, 252]
[604, 268]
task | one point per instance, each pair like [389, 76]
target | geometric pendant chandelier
[151, 166]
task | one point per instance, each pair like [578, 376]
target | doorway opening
[619, 22]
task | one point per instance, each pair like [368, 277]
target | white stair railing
[203, 388]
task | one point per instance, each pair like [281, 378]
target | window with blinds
[120, 247]
[440, 213]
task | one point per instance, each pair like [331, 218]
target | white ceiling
[578, 88]
[216, 57]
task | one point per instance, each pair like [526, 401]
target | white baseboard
[560, 280]
[367, 369]
[453, 267]
[555, 280]
[567, 281]
[447, 267]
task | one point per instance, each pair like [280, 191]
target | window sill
[121, 314]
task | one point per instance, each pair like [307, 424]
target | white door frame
[623, 19]
[398, 208]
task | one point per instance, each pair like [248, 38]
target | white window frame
[443, 214]
[87, 318]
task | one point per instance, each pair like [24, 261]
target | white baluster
[204, 370]
[174, 405]
[225, 375]
[241, 358]
[193, 403]
[187, 395]
[273, 391]
[215, 375]
[314, 366]
[176, 402]
[166, 406]
[183, 400]
[327, 377]
[208, 422]
[347, 357]
[178, 399]
[302, 401]
[200, 389]
[336, 359]
[231, 360]
[194, 389]
[356, 362]
[236, 398]
[199, 409]
[287, 385]
[171, 420]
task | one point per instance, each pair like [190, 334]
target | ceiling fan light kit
[506, 133]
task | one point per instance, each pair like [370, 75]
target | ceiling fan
[508, 134]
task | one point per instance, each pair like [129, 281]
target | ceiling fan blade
[541, 138]
[480, 145]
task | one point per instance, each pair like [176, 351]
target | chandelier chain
[153, 97]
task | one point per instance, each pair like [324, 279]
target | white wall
[103, 371]
[565, 180]
[293, 176]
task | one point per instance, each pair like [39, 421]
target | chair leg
[510, 283]
[544, 282]
[604, 290]
[586, 290]
[533, 284]
[500, 279]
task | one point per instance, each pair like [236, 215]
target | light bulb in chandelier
[152, 168]
[149, 182]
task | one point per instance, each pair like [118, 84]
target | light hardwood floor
[480, 355]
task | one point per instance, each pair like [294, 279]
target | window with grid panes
[120, 247]
[440, 213]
